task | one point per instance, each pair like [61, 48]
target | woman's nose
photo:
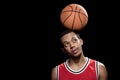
[71, 46]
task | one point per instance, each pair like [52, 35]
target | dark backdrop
[34, 33]
[98, 35]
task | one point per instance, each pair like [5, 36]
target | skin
[72, 45]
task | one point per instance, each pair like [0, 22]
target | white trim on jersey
[57, 72]
[96, 66]
[78, 71]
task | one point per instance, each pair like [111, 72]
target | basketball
[74, 16]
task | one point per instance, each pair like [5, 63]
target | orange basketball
[74, 16]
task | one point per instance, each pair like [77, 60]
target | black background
[33, 30]
[99, 35]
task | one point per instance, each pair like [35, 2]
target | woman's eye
[74, 40]
[66, 44]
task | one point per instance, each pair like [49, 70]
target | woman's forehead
[69, 36]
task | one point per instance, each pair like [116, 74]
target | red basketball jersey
[88, 72]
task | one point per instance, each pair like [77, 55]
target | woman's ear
[81, 41]
[63, 50]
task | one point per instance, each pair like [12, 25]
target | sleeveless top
[89, 71]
